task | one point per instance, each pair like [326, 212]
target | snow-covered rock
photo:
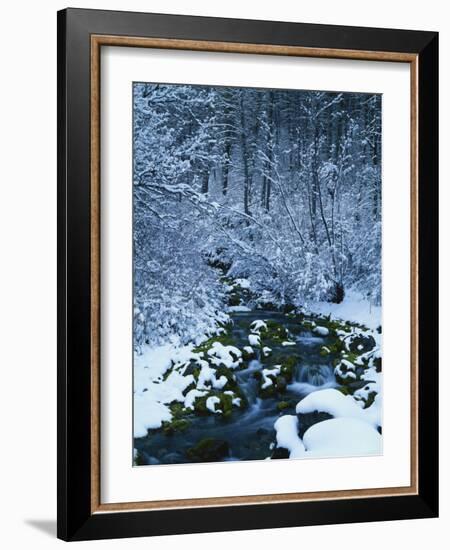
[342, 437]
[149, 414]
[286, 428]
[257, 326]
[254, 340]
[229, 356]
[337, 404]
[321, 331]
[267, 373]
[211, 403]
[191, 396]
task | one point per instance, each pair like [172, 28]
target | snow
[266, 351]
[286, 428]
[191, 396]
[266, 373]
[348, 364]
[371, 375]
[225, 355]
[211, 403]
[243, 283]
[153, 394]
[153, 362]
[207, 378]
[353, 308]
[342, 437]
[257, 326]
[347, 372]
[288, 343]
[321, 331]
[148, 414]
[337, 404]
[248, 349]
[334, 437]
[253, 340]
[238, 309]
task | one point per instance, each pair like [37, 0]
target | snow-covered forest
[257, 239]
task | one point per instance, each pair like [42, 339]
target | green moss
[282, 405]
[350, 356]
[191, 386]
[139, 459]
[177, 409]
[246, 356]
[208, 450]
[225, 338]
[345, 390]
[180, 425]
[275, 333]
[288, 366]
[228, 373]
[370, 399]
[225, 405]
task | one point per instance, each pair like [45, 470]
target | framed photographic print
[247, 274]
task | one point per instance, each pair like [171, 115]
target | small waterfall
[248, 384]
[315, 375]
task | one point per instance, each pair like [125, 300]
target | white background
[28, 274]
[122, 483]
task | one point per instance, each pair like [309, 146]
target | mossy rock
[308, 325]
[191, 386]
[288, 366]
[283, 405]
[324, 351]
[209, 450]
[280, 383]
[288, 308]
[279, 452]
[200, 405]
[346, 390]
[178, 425]
[362, 343]
[225, 338]
[231, 384]
[336, 347]
[139, 459]
[247, 356]
[269, 306]
[275, 332]
[234, 299]
[178, 410]
[225, 405]
[309, 419]
[377, 363]
[270, 391]
[278, 386]
[370, 399]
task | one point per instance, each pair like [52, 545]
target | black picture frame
[76, 521]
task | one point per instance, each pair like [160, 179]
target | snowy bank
[354, 308]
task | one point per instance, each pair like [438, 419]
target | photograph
[257, 274]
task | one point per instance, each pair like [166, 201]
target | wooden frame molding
[96, 42]
[82, 33]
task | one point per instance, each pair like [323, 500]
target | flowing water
[249, 433]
